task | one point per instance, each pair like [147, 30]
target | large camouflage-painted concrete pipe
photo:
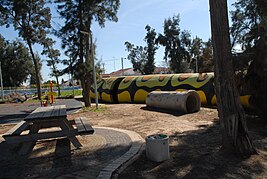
[134, 89]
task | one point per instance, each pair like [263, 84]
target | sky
[133, 16]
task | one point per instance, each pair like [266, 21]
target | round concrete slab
[102, 154]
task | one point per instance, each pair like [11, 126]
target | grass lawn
[66, 93]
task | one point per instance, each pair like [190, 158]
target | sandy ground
[195, 142]
[145, 121]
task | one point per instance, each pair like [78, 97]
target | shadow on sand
[198, 154]
[174, 113]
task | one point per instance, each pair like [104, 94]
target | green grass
[65, 93]
[32, 100]
[70, 92]
[3, 101]
[101, 108]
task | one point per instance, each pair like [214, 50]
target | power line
[111, 60]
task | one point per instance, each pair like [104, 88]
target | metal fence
[33, 91]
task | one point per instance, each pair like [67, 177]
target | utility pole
[90, 37]
[196, 66]
[114, 63]
[103, 66]
[94, 72]
[1, 79]
[122, 67]
[72, 86]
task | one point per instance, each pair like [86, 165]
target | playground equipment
[44, 103]
[186, 101]
[134, 89]
[50, 97]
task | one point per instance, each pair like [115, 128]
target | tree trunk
[86, 92]
[82, 73]
[58, 87]
[37, 70]
[54, 69]
[232, 116]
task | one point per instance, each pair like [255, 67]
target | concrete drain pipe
[185, 101]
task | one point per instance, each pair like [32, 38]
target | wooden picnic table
[44, 118]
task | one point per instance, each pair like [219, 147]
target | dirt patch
[195, 143]
[146, 121]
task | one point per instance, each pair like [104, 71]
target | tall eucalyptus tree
[32, 21]
[175, 43]
[79, 15]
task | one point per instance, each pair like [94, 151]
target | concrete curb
[113, 169]
[127, 163]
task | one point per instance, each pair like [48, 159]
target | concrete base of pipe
[186, 101]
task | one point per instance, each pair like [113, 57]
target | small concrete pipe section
[185, 101]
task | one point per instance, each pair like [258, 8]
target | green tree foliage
[78, 15]
[138, 57]
[249, 29]
[49, 81]
[16, 62]
[32, 20]
[207, 56]
[33, 81]
[150, 39]
[53, 55]
[176, 44]
[201, 54]
[195, 54]
[248, 22]
[143, 58]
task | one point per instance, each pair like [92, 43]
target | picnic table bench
[36, 126]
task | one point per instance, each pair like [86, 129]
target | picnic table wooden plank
[87, 125]
[64, 124]
[48, 113]
[28, 146]
[79, 124]
[63, 110]
[37, 113]
[44, 117]
[55, 112]
[41, 136]
[83, 126]
[31, 115]
[59, 111]
[42, 113]
[17, 129]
